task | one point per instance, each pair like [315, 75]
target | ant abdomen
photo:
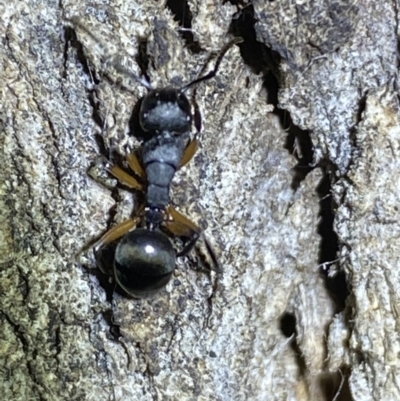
[144, 262]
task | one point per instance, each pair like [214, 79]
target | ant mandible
[144, 258]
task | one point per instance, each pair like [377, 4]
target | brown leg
[180, 225]
[189, 152]
[136, 166]
[125, 178]
[116, 232]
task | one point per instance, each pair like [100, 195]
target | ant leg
[196, 112]
[189, 152]
[213, 256]
[116, 232]
[212, 73]
[181, 226]
[125, 178]
[136, 166]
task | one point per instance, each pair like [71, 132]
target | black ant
[144, 258]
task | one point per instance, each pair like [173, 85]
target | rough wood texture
[281, 191]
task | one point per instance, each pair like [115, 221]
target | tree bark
[296, 185]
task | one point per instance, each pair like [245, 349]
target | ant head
[166, 109]
[144, 261]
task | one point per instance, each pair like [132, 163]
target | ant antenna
[75, 21]
[110, 58]
[122, 69]
[212, 73]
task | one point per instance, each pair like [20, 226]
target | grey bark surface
[271, 327]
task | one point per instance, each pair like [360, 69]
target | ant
[144, 258]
